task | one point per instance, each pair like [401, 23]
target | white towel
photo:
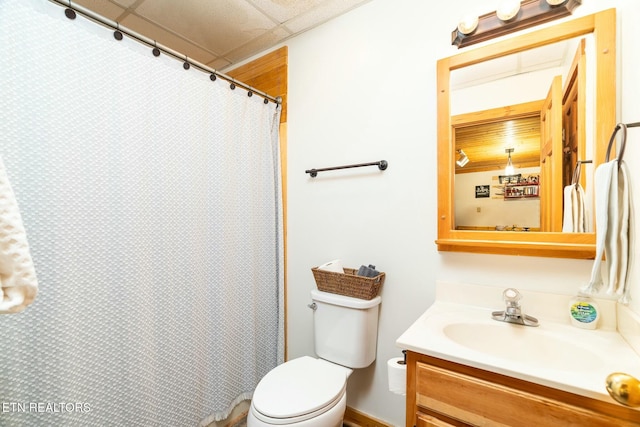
[567, 220]
[583, 223]
[623, 290]
[574, 215]
[612, 230]
[620, 288]
[18, 283]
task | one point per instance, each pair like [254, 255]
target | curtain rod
[71, 9]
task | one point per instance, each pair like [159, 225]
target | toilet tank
[345, 328]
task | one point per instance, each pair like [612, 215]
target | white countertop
[554, 354]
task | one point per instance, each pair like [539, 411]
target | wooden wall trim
[353, 418]
[269, 73]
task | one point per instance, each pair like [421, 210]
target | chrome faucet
[513, 313]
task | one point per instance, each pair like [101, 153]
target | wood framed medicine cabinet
[601, 27]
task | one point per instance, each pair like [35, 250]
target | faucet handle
[511, 296]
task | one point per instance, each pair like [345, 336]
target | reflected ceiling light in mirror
[509, 170]
[463, 159]
[508, 9]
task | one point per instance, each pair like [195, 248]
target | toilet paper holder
[397, 374]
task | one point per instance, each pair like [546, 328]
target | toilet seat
[298, 390]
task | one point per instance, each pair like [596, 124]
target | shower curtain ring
[117, 34]
[69, 12]
[156, 51]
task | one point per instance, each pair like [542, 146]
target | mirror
[600, 31]
[496, 111]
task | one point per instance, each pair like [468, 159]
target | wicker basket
[348, 284]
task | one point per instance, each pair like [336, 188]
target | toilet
[312, 392]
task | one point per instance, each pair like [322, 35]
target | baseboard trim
[353, 418]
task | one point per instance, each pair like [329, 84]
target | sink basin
[523, 344]
[458, 328]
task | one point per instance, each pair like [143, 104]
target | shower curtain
[151, 199]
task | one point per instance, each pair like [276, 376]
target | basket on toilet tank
[348, 283]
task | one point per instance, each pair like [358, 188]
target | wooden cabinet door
[574, 123]
[425, 420]
[476, 402]
[551, 191]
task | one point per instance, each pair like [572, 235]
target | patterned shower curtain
[151, 201]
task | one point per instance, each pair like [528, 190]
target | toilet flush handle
[313, 306]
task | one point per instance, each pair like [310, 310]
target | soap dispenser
[584, 312]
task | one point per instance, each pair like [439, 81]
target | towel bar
[382, 165]
[576, 172]
[623, 145]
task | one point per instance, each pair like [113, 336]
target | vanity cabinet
[443, 394]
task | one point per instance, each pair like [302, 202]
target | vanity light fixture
[511, 16]
[509, 170]
[463, 159]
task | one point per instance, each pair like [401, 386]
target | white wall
[471, 211]
[362, 88]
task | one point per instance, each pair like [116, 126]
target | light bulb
[463, 159]
[509, 170]
[508, 9]
[555, 2]
[468, 24]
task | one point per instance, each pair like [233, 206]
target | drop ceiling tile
[283, 10]
[167, 39]
[329, 9]
[103, 8]
[218, 64]
[215, 32]
[123, 3]
[258, 44]
[217, 25]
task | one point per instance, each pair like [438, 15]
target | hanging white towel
[567, 220]
[612, 230]
[574, 215]
[18, 283]
[624, 290]
[620, 287]
[582, 213]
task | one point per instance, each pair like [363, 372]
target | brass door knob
[624, 388]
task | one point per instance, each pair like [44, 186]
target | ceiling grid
[220, 33]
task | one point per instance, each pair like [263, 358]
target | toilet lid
[300, 386]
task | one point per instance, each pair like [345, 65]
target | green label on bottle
[583, 312]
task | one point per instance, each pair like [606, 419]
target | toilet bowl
[310, 392]
[303, 392]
